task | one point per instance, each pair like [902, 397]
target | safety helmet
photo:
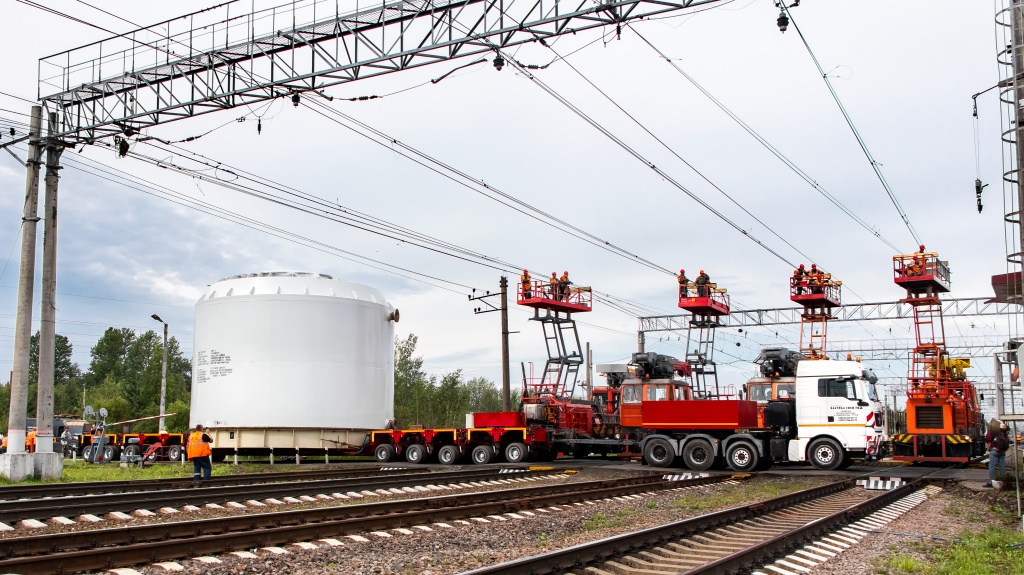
[814, 265]
[801, 266]
[526, 271]
[553, 274]
[566, 272]
[701, 271]
[922, 247]
[682, 271]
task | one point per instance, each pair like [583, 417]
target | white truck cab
[838, 414]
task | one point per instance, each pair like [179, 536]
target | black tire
[847, 462]
[482, 454]
[448, 455]
[86, 452]
[174, 452]
[659, 453]
[515, 452]
[111, 452]
[742, 457]
[825, 454]
[698, 455]
[415, 453]
[133, 450]
[384, 453]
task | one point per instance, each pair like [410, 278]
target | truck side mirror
[863, 403]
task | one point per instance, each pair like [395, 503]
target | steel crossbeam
[218, 60]
[962, 307]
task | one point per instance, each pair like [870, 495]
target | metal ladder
[700, 355]
[564, 355]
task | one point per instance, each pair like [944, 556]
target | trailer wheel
[415, 453]
[132, 450]
[86, 452]
[515, 453]
[384, 453]
[482, 454]
[174, 452]
[698, 455]
[826, 454]
[742, 457]
[448, 455]
[659, 453]
[111, 452]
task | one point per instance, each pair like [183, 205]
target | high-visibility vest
[525, 279]
[196, 446]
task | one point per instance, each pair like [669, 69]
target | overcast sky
[904, 70]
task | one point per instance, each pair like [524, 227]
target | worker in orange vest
[683, 283]
[30, 441]
[198, 450]
[527, 284]
[563, 286]
[553, 285]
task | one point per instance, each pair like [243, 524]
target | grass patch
[994, 551]
[751, 491]
[600, 521]
[80, 471]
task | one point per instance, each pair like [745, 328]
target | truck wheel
[384, 452]
[86, 452]
[698, 455]
[742, 457]
[659, 453]
[825, 454]
[174, 452]
[415, 453]
[111, 452]
[132, 451]
[515, 453]
[482, 454]
[448, 455]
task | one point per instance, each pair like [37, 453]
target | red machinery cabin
[666, 404]
[921, 272]
[542, 295]
[714, 302]
[819, 291]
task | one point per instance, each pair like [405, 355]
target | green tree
[66, 373]
[412, 386]
[483, 395]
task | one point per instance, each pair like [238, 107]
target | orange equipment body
[944, 420]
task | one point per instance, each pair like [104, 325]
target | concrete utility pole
[16, 465]
[506, 391]
[47, 464]
[163, 376]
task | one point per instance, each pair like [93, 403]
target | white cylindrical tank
[293, 350]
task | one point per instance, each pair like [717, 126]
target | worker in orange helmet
[563, 286]
[527, 284]
[798, 279]
[702, 281]
[30, 441]
[683, 283]
[553, 285]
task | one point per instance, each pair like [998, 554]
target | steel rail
[16, 510]
[107, 548]
[579, 557]
[138, 485]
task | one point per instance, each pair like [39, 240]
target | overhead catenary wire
[607, 133]
[853, 128]
[768, 145]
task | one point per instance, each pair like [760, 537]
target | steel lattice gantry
[219, 58]
[849, 312]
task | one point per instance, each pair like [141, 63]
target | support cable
[775, 151]
[600, 128]
[860, 140]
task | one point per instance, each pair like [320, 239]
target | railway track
[383, 483]
[115, 547]
[731, 541]
[39, 491]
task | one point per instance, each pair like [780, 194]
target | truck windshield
[872, 394]
[762, 393]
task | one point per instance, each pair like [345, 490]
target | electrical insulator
[295, 99]
[783, 21]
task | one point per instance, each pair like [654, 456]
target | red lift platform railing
[818, 293]
[944, 421]
[541, 295]
[561, 339]
[707, 303]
